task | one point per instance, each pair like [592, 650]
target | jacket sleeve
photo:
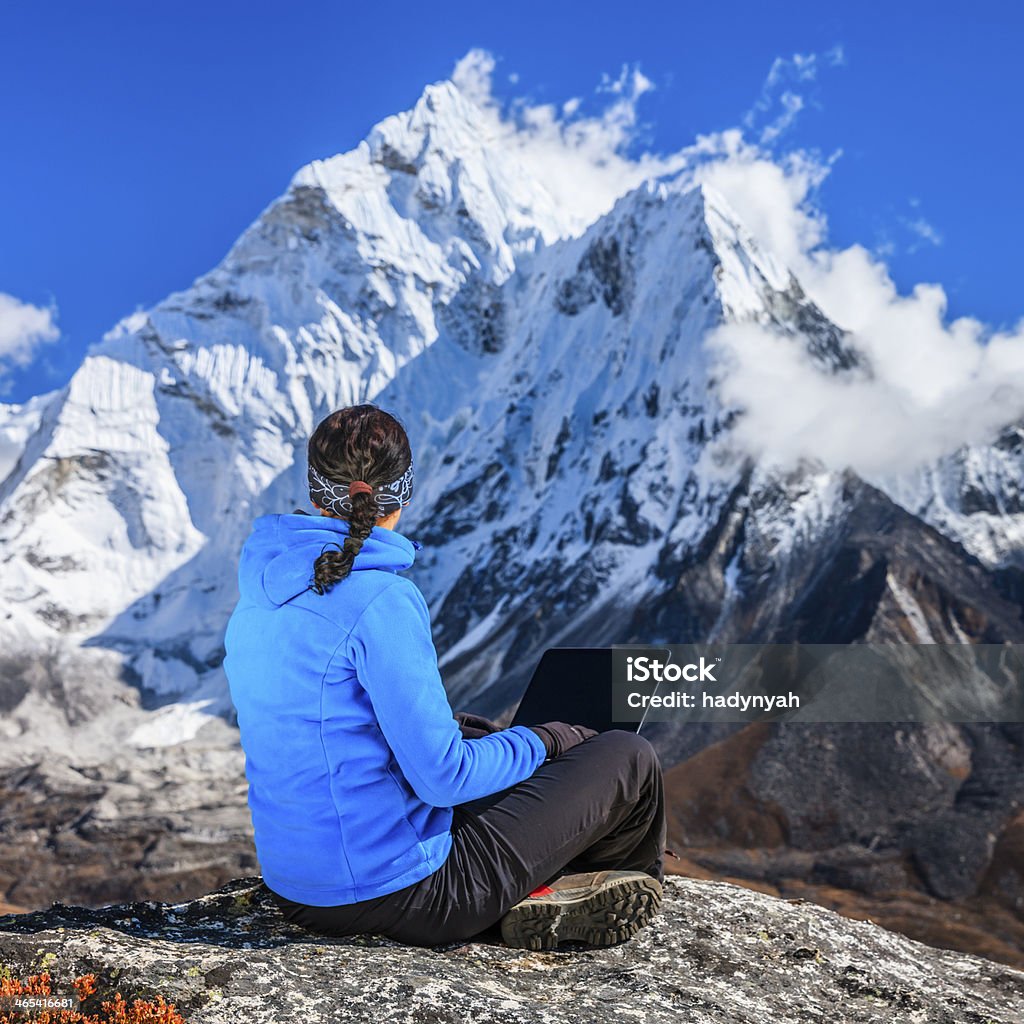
[396, 663]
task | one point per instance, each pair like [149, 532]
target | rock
[716, 953]
[1005, 876]
[953, 854]
[164, 823]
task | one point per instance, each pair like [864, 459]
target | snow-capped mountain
[571, 487]
[17, 423]
[975, 494]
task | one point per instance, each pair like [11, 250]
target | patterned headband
[336, 497]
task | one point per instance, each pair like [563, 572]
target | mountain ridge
[423, 271]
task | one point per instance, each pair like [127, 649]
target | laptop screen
[574, 685]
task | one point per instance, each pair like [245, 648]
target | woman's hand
[558, 737]
[473, 726]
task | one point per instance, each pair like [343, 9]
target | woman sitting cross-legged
[375, 808]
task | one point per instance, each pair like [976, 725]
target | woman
[375, 809]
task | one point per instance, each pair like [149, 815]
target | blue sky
[138, 141]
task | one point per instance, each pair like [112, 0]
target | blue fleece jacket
[353, 756]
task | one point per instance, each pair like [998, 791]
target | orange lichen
[112, 1011]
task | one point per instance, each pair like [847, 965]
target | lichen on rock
[716, 953]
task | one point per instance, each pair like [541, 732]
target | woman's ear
[390, 521]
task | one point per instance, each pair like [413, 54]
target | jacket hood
[277, 558]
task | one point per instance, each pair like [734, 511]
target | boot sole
[606, 917]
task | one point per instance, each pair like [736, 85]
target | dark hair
[361, 442]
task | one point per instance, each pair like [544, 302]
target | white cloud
[584, 161]
[472, 74]
[792, 104]
[631, 82]
[924, 400]
[836, 57]
[924, 230]
[770, 193]
[935, 384]
[23, 328]
[777, 94]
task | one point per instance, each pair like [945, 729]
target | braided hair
[361, 444]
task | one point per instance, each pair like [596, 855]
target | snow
[17, 424]
[472, 636]
[176, 723]
[975, 495]
[911, 610]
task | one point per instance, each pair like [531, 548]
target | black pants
[600, 806]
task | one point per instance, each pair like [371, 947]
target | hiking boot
[598, 908]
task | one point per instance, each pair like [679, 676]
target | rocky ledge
[717, 953]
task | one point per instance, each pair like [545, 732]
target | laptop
[574, 685]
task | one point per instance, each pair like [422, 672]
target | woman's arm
[396, 663]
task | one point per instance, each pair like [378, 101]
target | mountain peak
[445, 101]
[444, 123]
[446, 160]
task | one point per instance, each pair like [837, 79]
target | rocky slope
[164, 823]
[715, 953]
[809, 811]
